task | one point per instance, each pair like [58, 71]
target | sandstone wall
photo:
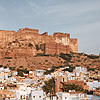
[14, 43]
[53, 48]
[6, 36]
[73, 45]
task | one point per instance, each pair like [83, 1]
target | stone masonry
[23, 43]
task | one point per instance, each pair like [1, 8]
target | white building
[63, 96]
[1, 86]
[23, 92]
[94, 84]
[68, 96]
[21, 95]
[80, 70]
[12, 79]
[39, 72]
[37, 95]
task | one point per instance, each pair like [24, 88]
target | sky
[80, 18]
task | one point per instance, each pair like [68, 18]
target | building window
[39, 96]
[33, 96]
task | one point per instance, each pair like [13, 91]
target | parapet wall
[27, 30]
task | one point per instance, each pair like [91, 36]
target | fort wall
[14, 43]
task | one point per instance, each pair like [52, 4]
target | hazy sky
[80, 18]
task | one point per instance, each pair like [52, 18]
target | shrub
[46, 60]
[72, 61]
[19, 45]
[37, 47]
[85, 59]
[20, 73]
[26, 71]
[65, 62]
[30, 45]
[55, 55]
[20, 66]
[80, 54]
[5, 66]
[1, 65]
[12, 68]
[41, 54]
[78, 60]
[85, 55]
[92, 56]
[7, 57]
[9, 43]
[93, 69]
[77, 65]
[66, 56]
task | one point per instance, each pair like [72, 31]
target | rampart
[23, 43]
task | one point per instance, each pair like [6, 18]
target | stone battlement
[27, 30]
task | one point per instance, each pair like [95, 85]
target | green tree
[26, 71]
[1, 65]
[49, 86]
[20, 73]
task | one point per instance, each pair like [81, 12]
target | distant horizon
[81, 19]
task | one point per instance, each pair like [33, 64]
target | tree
[26, 71]
[49, 86]
[20, 73]
[1, 65]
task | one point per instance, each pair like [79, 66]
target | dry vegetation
[44, 62]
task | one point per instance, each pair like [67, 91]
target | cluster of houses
[29, 87]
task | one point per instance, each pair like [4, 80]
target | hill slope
[44, 61]
[81, 59]
[31, 63]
